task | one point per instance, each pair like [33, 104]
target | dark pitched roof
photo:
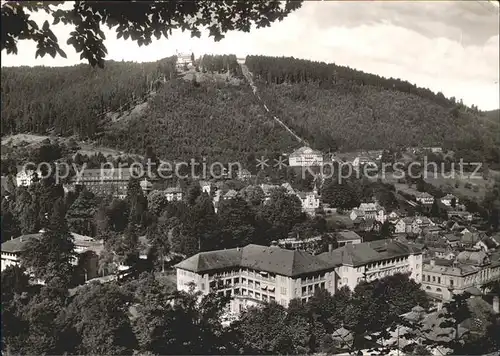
[452, 237]
[489, 242]
[17, 245]
[366, 252]
[262, 258]
[348, 235]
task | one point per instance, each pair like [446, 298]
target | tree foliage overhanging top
[139, 21]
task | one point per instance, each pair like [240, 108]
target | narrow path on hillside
[248, 75]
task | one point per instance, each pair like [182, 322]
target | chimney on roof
[330, 247]
[496, 304]
[21, 239]
[238, 248]
[433, 262]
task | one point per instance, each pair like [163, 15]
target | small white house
[310, 201]
[446, 200]
[173, 194]
[362, 161]
[393, 216]
[206, 187]
[370, 211]
[425, 198]
[25, 178]
[403, 225]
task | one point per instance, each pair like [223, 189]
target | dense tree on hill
[203, 223]
[35, 101]
[190, 325]
[97, 318]
[281, 212]
[50, 256]
[9, 225]
[136, 200]
[158, 236]
[264, 330]
[221, 64]
[148, 19]
[340, 196]
[237, 223]
[26, 211]
[193, 192]
[253, 194]
[15, 280]
[157, 202]
[222, 123]
[491, 203]
[80, 214]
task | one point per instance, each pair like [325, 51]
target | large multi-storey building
[372, 260]
[471, 269]
[305, 157]
[113, 181]
[254, 274]
[104, 181]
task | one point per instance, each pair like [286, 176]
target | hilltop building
[305, 157]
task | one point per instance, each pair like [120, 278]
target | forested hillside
[331, 107]
[215, 120]
[72, 100]
[338, 106]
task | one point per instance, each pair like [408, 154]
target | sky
[447, 46]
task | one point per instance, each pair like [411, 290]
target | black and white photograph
[250, 177]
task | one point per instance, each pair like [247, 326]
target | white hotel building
[305, 157]
[255, 274]
[374, 260]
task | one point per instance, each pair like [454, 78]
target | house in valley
[424, 198]
[348, 237]
[448, 198]
[174, 194]
[310, 201]
[404, 225]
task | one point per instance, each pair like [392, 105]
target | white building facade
[471, 269]
[255, 274]
[310, 201]
[373, 260]
[305, 157]
[25, 178]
